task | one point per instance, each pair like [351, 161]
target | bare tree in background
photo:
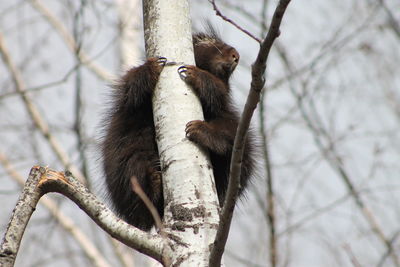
[330, 116]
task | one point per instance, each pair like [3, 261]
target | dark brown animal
[129, 148]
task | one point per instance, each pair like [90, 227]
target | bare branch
[42, 181]
[393, 23]
[335, 161]
[70, 41]
[68, 225]
[33, 111]
[257, 84]
[19, 219]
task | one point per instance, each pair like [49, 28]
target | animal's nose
[235, 56]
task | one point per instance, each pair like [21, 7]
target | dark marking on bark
[179, 261]
[166, 166]
[199, 211]
[179, 226]
[177, 240]
[180, 213]
[196, 228]
[214, 226]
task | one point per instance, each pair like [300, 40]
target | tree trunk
[191, 203]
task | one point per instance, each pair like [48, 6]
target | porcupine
[129, 148]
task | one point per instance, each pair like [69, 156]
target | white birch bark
[191, 211]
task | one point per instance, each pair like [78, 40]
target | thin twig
[150, 206]
[389, 251]
[271, 216]
[351, 255]
[79, 110]
[218, 13]
[257, 84]
[314, 214]
[46, 85]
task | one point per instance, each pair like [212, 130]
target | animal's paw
[196, 130]
[186, 71]
[158, 60]
[157, 63]
[161, 61]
